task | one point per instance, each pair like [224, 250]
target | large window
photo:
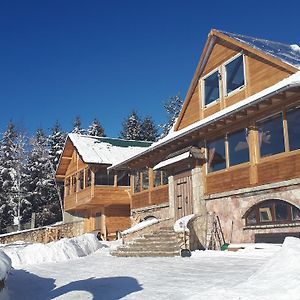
[211, 88]
[234, 74]
[272, 211]
[216, 155]
[145, 179]
[270, 136]
[103, 178]
[137, 182]
[238, 147]
[123, 179]
[293, 122]
[160, 178]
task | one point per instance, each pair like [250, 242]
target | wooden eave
[213, 36]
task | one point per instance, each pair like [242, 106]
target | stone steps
[163, 243]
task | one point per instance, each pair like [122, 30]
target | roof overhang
[275, 94]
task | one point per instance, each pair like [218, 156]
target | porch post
[171, 196]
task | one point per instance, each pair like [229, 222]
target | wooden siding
[260, 74]
[117, 219]
[155, 196]
[192, 113]
[160, 195]
[231, 179]
[277, 169]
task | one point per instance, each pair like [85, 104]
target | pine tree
[40, 183]
[149, 131]
[56, 142]
[77, 126]
[12, 157]
[96, 129]
[172, 106]
[132, 127]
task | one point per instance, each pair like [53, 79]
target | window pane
[270, 133]
[211, 88]
[238, 147]
[265, 213]
[157, 178]
[164, 175]
[123, 179]
[102, 178]
[295, 213]
[281, 211]
[216, 155]
[235, 74]
[251, 219]
[293, 121]
[145, 183]
[137, 182]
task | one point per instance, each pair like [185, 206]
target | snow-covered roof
[172, 160]
[102, 150]
[289, 82]
[289, 54]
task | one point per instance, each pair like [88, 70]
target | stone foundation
[45, 234]
[231, 208]
[160, 212]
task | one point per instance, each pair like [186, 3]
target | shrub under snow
[5, 265]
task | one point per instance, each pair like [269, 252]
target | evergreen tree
[40, 183]
[132, 127]
[77, 126]
[56, 142]
[96, 129]
[149, 131]
[12, 159]
[172, 106]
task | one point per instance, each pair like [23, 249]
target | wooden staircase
[163, 243]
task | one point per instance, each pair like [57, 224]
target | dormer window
[234, 73]
[211, 87]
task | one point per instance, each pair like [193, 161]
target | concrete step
[149, 247]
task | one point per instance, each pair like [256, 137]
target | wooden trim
[285, 132]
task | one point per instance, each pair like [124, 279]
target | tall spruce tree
[172, 107]
[132, 127]
[77, 128]
[40, 182]
[12, 157]
[96, 129]
[149, 131]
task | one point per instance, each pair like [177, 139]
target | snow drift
[277, 279]
[61, 250]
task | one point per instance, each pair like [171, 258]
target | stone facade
[160, 212]
[45, 234]
[231, 208]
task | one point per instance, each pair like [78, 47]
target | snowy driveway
[105, 277]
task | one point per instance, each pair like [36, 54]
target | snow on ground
[28, 253]
[5, 265]
[270, 273]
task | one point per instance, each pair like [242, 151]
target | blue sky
[60, 59]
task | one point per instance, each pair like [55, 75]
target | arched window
[271, 212]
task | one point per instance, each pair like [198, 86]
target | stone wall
[45, 234]
[160, 212]
[231, 208]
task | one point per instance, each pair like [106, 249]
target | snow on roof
[98, 150]
[289, 54]
[293, 80]
[172, 160]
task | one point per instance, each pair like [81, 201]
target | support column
[171, 196]
[199, 206]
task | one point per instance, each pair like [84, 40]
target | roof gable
[284, 56]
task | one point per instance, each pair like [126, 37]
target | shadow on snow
[25, 285]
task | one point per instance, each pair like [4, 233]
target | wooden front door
[183, 195]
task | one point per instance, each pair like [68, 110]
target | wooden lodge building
[91, 194]
[234, 150]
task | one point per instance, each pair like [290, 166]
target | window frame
[285, 134]
[257, 208]
[219, 71]
[224, 74]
